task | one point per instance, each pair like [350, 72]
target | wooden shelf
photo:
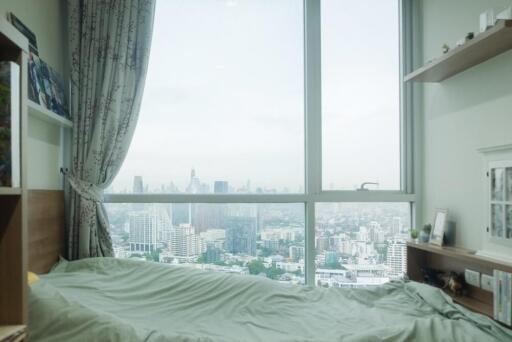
[463, 254]
[44, 114]
[12, 332]
[448, 259]
[473, 304]
[13, 261]
[482, 47]
[9, 191]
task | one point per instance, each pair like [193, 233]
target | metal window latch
[362, 187]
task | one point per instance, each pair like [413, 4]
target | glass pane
[509, 222]
[249, 239]
[360, 244]
[497, 220]
[497, 184]
[223, 100]
[509, 183]
[360, 94]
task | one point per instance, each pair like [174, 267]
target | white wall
[47, 19]
[469, 111]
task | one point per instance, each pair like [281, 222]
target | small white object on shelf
[487, 20]
[506, 14]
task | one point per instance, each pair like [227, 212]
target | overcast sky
[224, 95]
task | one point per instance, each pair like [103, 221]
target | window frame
[409, 147]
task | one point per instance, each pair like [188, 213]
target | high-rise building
[397, 225]
[241, 235]
[194, 186]
[180, 213]
[271, 244]
[212, 254]
[143, 232]
[397, 258]
[185, 242]
[138, 185]
[322, 243]
[331, 257]
[220, 187]
[296, 253]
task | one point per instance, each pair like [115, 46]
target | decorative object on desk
[445, 48]
[414, 234]
[466, 39]
[502, 297]
[506, 14]
[437, 233]
[425, 233]
[433, 277]
[456, 283]
[487, 20]
[9, 124]
[32, 41]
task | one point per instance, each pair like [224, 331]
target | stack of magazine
[46, 87]
[9, 124]
[503, 297]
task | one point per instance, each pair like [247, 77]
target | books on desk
[503, 297]
[10, 153]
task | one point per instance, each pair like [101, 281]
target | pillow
[32, 278]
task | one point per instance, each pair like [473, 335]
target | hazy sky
[224, 94]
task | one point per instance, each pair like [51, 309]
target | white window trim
[313, 143]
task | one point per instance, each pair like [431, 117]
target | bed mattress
[107, 299]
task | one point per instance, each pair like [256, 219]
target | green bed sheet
[107, 299]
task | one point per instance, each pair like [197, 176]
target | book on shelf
[32, 40]
[10, 125]
[46, 87]
[502, 300]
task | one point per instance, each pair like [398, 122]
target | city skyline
[356, 244]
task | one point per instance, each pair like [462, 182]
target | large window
[260, 121]
[224, 96]
[360, 94]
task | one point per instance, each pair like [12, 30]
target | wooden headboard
[46, 222]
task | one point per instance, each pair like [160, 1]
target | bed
[112, 299]
[107, 299]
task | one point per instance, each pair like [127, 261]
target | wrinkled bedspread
[107, 299]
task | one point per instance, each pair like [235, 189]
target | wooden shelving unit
[38, 111]
[13, 204]
[13, 333]
[484, 46]
[448, 259]
[10, 191]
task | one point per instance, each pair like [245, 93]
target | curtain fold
[109, 42]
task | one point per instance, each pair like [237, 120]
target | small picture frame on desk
[438, 229]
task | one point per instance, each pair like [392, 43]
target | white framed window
[252, 76]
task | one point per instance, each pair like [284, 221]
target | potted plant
[414, 234]
[425, 233]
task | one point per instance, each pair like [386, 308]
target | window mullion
[313, 126]
[313, 96]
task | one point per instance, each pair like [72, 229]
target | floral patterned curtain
[109, 50]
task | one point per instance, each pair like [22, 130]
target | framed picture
[437, 233]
